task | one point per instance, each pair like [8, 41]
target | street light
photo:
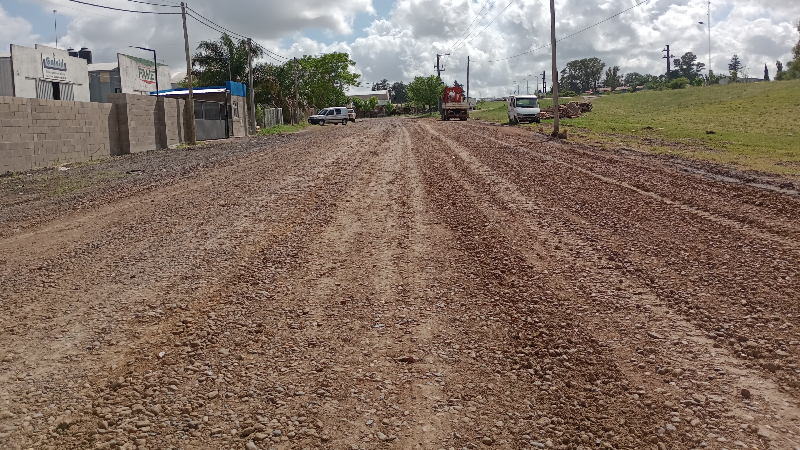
[155, 61]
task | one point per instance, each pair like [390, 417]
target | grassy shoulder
[278, 129]
[498, 111]
[754, 126]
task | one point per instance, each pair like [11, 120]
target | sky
[507, 41]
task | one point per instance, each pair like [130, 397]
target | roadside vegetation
[753, 125]
[279, 129]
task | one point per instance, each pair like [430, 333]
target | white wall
[133, 75]
[27, 68]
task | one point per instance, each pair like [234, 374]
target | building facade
[44, 73]
[129, 75]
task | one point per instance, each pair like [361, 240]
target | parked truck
[453, 104]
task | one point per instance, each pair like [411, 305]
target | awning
[184, 92]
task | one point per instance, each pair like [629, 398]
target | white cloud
[404, 43]
[15, 30]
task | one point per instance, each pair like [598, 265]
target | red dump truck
[453, 104]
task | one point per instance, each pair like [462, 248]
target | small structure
[382, 96]
[45, 73]
[219, 111]
[129, 75]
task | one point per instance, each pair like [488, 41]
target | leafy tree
[425, 92]
[383, 85]
[734, 67]
[699, 67]
[687, 66]
[779, 65]
[218, 61]
[399, 94]
[698, 81]
[372, 103]
[792, 71]
[613, 78]
[766, 73]
[389, 108]
[796, 48]
[680, 83]
[582, 75]
[358, 104]
[457, 84]
[712, 79]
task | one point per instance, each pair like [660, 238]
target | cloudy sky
[399, 39]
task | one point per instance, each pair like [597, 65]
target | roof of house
[378, 94]
[103, 66]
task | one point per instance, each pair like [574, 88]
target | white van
[330, 115]
[523, 108]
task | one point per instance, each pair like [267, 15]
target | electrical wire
[473, 22]
[209, 23]
[573, 34]
[124, 10]
[155, 4]
[220, 30]
[487, 26]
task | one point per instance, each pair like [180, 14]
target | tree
[457, 84]
[389, 108]
[383, 85]
[779, 65]
[734, 67]
[613, 78]
[218, 61]
[372, 103]
[796, 48]
[687, 66]
[766, 73]
[679, 83]
[358, 104]
[399, 94]
[425, 92]
[582, 75]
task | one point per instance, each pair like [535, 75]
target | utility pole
[544, 82]
[468, 83]
[438, 67]
[527, 87]
[555, 68]
[252, 93]
[668, 60]
[295, 117]
[190, 101]
[709, 39]
[55, 25]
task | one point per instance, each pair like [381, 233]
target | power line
[210, 23]
[473, 21]
[124, 10]
[487, 26]
[573, 34]
[155, 4]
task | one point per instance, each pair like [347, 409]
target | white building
[43, 72]
[129, 75]
[382, 96]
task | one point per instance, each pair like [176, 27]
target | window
[339, 111]
[330, 112]
[527, 103]
[236, 110]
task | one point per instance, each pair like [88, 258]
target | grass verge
[278, 129]
[754, 126]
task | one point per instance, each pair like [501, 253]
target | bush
[567, 94]
[699, 81]
[679, 83]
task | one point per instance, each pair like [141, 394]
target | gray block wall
[37, 133]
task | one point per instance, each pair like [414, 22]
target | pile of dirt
[570, 110]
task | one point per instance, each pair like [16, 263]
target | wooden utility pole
[668, 60]
[190, 100]
[555, 69]
[467, 83]
[250, 79]
[295, 117]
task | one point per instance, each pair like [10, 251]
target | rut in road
[408, 284]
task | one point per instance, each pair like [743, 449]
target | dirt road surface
[398, 284]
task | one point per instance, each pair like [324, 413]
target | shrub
[699, 81]
[679, 83]
[567, 94]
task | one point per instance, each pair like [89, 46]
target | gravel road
[398, 284]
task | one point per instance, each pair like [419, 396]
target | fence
[271, 117]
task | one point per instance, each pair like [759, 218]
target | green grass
[277, 129]
[754, 125]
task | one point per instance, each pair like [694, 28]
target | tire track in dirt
[648, 311]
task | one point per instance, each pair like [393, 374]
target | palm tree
[225, 59]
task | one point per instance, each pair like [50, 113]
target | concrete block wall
[38, 133]
[148, 123]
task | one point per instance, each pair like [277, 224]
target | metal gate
[210, 120]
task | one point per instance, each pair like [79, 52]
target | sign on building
[54, 68]
[138, 75]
